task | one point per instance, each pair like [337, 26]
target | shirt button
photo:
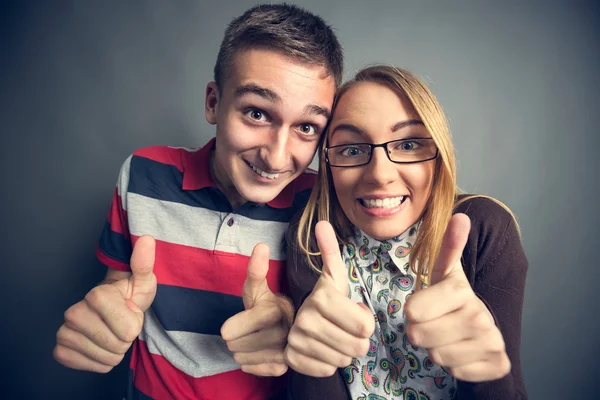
[230, 222]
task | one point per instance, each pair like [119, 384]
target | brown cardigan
[496, 267]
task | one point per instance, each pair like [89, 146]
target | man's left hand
[257, 336]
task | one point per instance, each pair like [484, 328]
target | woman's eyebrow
[348, 127]
[404, 124]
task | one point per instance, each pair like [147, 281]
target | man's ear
[211, 103]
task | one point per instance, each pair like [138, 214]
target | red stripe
[215, 271]
[304, 181]
[163, 154]
[117, 217]
[156, 377]
[111, 262]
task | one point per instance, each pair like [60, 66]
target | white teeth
[383, 203]
[263, 173]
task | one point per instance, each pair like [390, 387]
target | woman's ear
[211, 103]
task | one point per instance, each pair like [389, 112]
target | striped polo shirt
[202, 252]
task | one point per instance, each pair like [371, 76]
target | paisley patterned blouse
[393, 368]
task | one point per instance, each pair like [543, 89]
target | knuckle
[328, 370]
[344, 361]
[414, 335]
[436, 356]
[360, 347]
[366, 327]
[304, 322]
[72, 314]
[497, 344]
[60, 354]
[290, 357]
[238, 358]
[131, 330]
[480, 321]
[278, 369]
[96, 296]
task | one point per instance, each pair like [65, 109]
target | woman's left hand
[450, 320]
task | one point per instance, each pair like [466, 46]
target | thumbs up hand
[450, 321]
[258, 335]
[330, 329]
[99, 330]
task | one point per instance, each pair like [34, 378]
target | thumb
[142, 280]
[334, 270]
[256, 285]
[453, 244]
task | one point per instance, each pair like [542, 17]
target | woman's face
[381, 198]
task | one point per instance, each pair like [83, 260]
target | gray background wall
[83, 84]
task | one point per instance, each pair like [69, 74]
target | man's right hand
[99, 330]
[330, 329]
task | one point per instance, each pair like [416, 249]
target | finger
[271, 369]
[453, 244]
[482, 348]
[347, 315]
[464, 323]
[481, 371]
[256, 285]
[143, 280]
[438, 300]
[108, 309]
[72, 359]
[272, 338]
[266, 356]
[264, 316]
[307, 365]
[324, 331]
[316, 350]
[334, 269]
[74, 340]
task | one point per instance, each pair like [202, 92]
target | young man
[187, 284]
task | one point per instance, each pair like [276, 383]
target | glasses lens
[411, 150]
[349, 154]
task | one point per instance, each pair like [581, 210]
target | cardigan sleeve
[496, 266]
[301, 281]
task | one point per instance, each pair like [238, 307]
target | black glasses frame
[373, 146]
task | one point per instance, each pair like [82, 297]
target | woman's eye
[308, 129]
[351, 151]
[407, 146]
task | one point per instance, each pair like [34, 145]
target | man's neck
[224, 184]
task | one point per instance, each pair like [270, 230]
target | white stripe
[194, 354]
[188, 149]
[123, 182]
[202, 228]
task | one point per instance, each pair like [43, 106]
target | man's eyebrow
[404, 124]
[313, 109]
[259, 91]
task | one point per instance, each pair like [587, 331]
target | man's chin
[261, 195]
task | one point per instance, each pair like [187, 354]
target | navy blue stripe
[164, 182]
[115, 245]
[192, 310]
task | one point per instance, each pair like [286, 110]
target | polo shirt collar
[196, 175]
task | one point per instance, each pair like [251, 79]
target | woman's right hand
[330, 329]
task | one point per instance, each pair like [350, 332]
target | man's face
[269, 116]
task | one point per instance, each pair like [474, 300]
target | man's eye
[308, 129]
[256, 115]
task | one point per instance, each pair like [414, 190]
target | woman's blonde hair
[324, 205]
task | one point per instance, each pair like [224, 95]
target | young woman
[422, 304]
